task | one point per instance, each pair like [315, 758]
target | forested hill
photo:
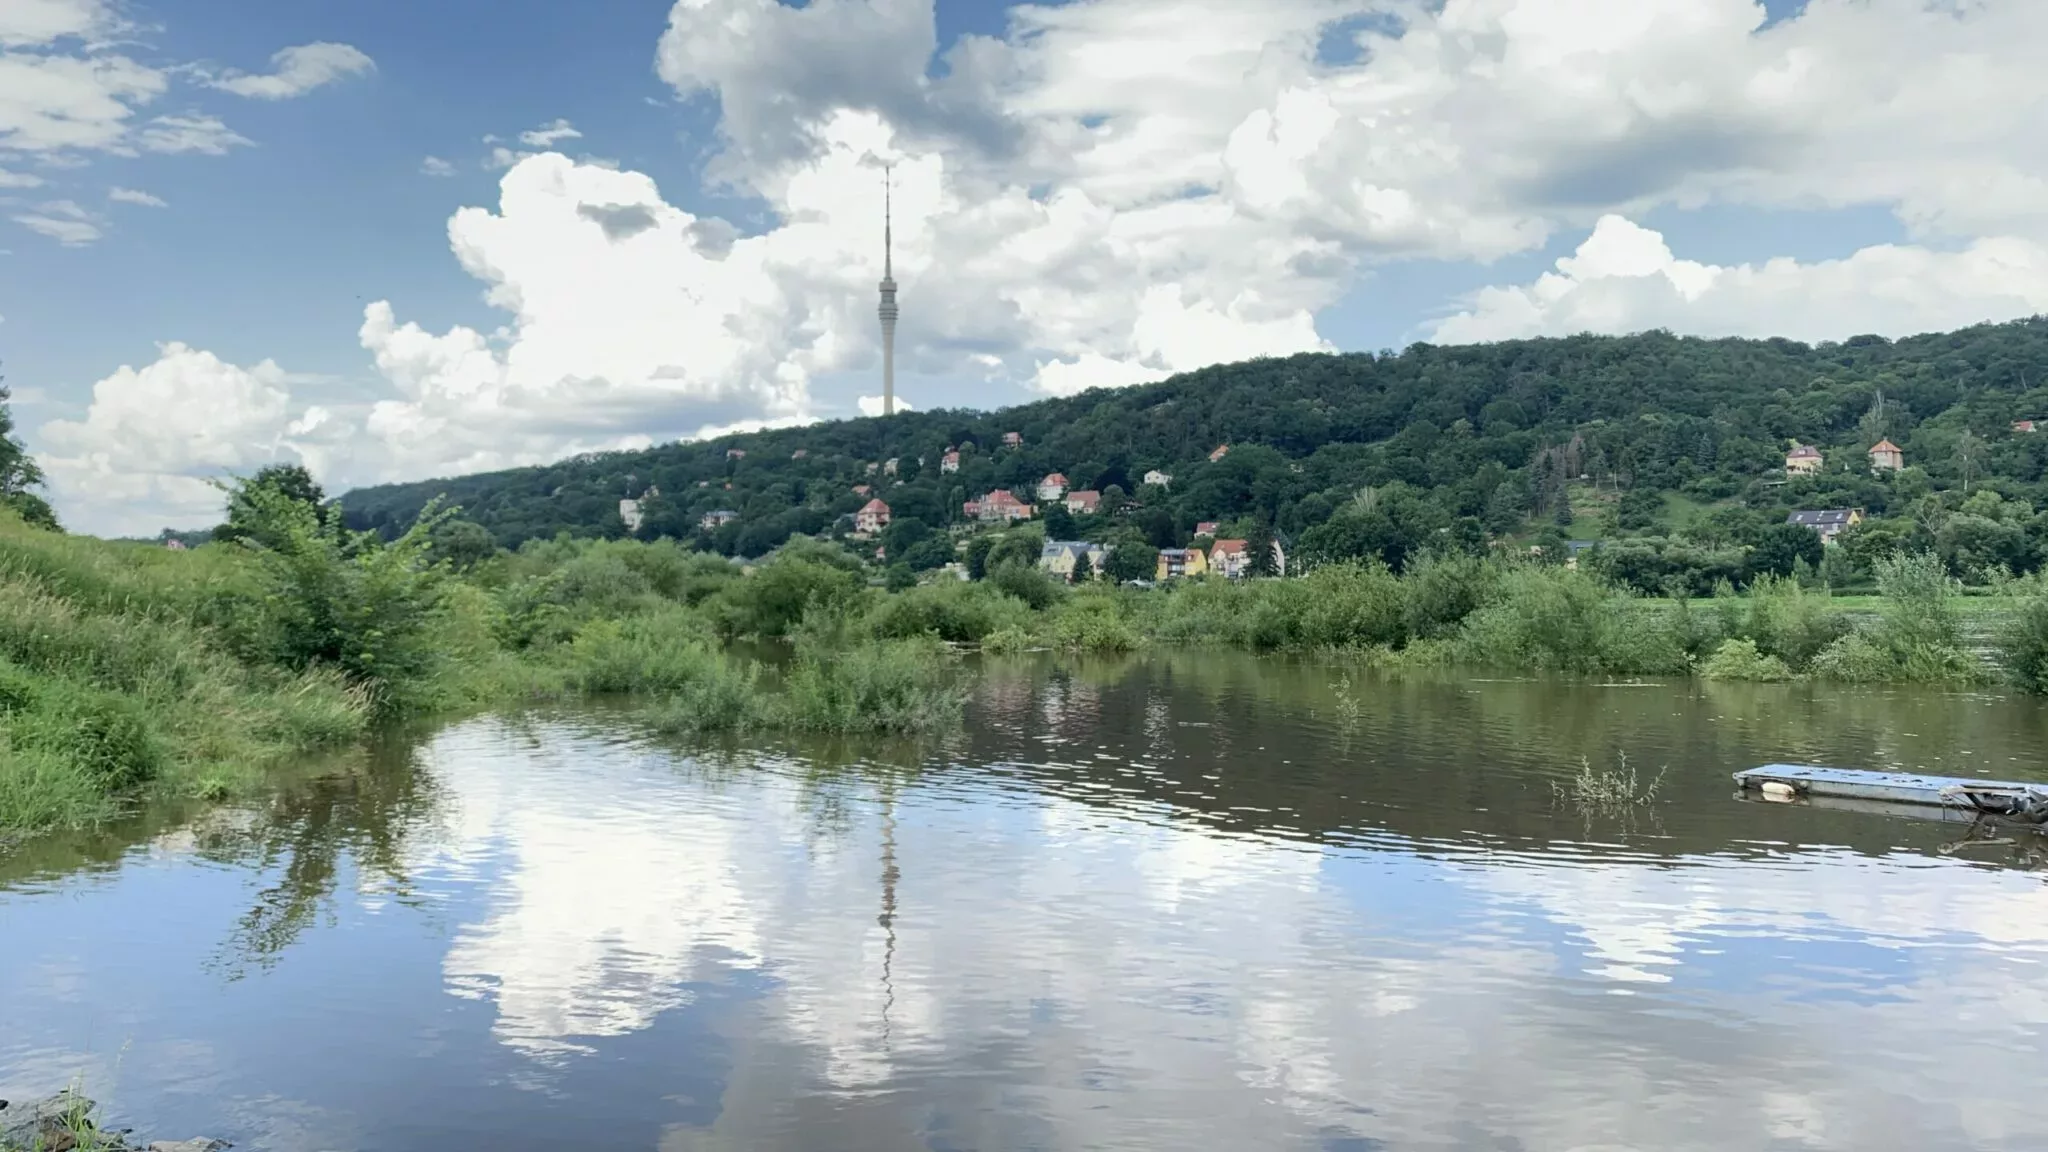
[1585, 436]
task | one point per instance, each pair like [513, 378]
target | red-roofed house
[2026, 425]
[1084, 501]
[950, 462]
[998, 505]
[872, 517]
[1207, 528]
[1886, 457]
[1052, 488]
[1229, 558]
[1221, 451]
[1803, 460]
[861, 489]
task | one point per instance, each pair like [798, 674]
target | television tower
[888, 308]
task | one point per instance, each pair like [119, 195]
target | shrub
[657, 652]
[2023, 646]
[1741, 660]
[959, 611]
[1091, 622]
[723, 695]
[897, 686]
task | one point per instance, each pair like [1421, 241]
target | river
[1187, 901]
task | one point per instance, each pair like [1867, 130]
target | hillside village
[1667, 461]
[1209, 552]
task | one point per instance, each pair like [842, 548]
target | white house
[1161, 479]
[1052, 488]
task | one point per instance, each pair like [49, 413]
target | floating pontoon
[1900, 793]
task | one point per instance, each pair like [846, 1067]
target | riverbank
[127, 670]
[65, 1123]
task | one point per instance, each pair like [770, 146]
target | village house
[1230, 558]
[997, 505]
[1060, 557]
[889, 465]
[1207, 528]
[1084, 501]
[1012, 439]
[872, 467]
[175, 544]
[629, 511]
[1052, 488]
[950, 462]
[1221, 451]
[1159, 479]
[1886, 457]
[872, 517]
[1802, 460]
[799, 454]
[712, 521]
[1829, 522]
[735, 454]
[861, 489]
[1177, 562]
[2026, 426]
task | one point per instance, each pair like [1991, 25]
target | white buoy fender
[1777, 790]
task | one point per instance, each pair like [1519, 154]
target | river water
[1198, 901]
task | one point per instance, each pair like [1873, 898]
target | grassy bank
[127, 669]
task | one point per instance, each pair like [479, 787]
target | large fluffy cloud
[153, 436]
[1115, 190]
[1624, 278]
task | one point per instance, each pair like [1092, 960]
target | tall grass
[119, 673]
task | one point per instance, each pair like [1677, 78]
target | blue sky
[1098, 192]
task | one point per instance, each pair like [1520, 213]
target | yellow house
[1176, 562]
[1802, 460]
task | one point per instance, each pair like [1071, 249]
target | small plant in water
[1607, 790]
[1349, 707]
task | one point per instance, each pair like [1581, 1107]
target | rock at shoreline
[60, 1123]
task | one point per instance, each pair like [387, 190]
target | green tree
[1084, 568]
[1131, 557]
[252, 510]
[19, 473]
[463, 544]
[1781, 546]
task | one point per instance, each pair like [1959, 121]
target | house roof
[1000, 496]
[1084, 495]
[875, 505]
[1884, 446]
[1054, 478]
[1803, 452]
[1228, 547]
[1820, 517]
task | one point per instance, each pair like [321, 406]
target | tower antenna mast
[888, 308]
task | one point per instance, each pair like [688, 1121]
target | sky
[394, 241]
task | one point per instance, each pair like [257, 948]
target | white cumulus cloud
[121, 195]
[64, 221]
[298, 70]
[151, 437]
[1624, 278]
[549, 135]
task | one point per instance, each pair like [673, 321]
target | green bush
[2023, 646]
[1092, 622]
[657, 652]
[1742, 660]
[898, 686]
[723, 695]
[955, 610]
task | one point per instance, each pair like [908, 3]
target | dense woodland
[1668, 449]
